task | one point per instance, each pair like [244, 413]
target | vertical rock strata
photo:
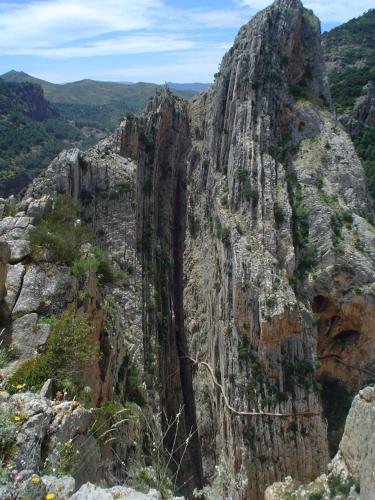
[160, 142]
[270, 276]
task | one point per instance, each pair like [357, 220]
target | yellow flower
[17, 418]
[35, 479]
[20, 386]
[59, 487]
[50, 496]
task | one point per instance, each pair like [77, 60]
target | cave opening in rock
[337, 348]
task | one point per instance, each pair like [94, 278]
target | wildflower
[50, 496]
[35, 479]
[59, 487]
[19, 387]
[17, 419]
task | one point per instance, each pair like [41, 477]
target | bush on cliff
[60, 232]
[70, 349]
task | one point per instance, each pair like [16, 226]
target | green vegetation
[278, 214]
[5, 357]
[300, 218]
[347, 86]
[352, 48]
[338, 486]
[365, 145]
[81, 266]
[109, 416]
[32, 133]
[338, 219]
[60, 233]
[70, 348]
[302, 93]
[7, 432]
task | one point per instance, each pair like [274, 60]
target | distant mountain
[32, 133]
[350, 61]
[97, 103]
[35, 127]
[195, 87]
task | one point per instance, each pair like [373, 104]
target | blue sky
[133, 40]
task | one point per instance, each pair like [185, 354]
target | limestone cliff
[278, 258]
[351, 470]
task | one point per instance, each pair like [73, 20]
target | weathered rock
[13, 283]
[92, 492]
[47, 390]
[352, 468]
[62, 487]
[29, 337]
[356, 455]
[45, 288]
[53, 435]
[4, 259]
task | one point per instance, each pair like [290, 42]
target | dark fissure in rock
[162, 163]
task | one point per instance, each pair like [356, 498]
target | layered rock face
[351, 470]
[274, 275]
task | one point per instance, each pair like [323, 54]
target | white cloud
[327, 10]
[50, 23]
[128, 44]
[76, 28]
[187, 67]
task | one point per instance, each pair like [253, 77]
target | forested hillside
[350, 61]
[32, 133]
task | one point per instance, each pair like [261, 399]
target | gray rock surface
[29, 337]
[356, 455]
[92, 492]
[354, 464]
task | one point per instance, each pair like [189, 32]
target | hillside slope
[32, 133]
[95, 103]
[349, 52]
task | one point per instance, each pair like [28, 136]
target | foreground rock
[352, 471]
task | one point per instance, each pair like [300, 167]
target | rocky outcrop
[272, 265]
[356, 455]
[4, 259]
[51, 436]
[352, 469]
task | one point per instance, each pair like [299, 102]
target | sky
[133, 40]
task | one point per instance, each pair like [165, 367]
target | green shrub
[70, 348]
[59, 232]
[106, 419]
[319, 182]
[5, 357]
[250, 193]
[278, 214]
[317, 496]
[242, 174]
[300, 219]
[81, 266]
[107, 273]
[315, 318]
[338, 486]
